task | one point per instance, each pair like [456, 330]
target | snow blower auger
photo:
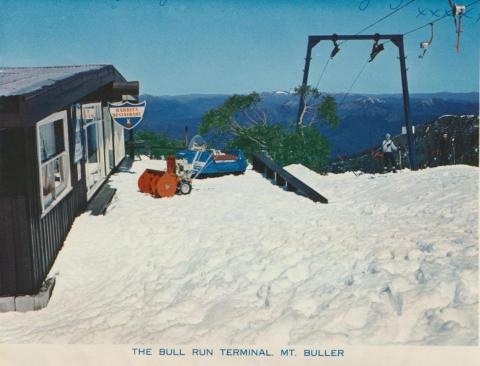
[165, 183]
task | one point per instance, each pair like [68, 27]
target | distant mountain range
[364, 118]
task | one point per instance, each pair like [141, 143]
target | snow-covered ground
[392, 259]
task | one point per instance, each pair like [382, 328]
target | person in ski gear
[388, 147]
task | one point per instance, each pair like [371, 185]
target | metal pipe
[406, 106]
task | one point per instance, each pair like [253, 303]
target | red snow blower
[165, 183]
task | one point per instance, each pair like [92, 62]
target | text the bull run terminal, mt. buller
[239, 352]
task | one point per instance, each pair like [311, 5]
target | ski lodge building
[58, 145]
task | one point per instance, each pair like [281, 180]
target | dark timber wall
[15, 266]
[48, 233]
[29, 243]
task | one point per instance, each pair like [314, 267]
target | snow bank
[392, 259]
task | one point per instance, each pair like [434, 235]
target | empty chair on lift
[424, 45]
[457, 12]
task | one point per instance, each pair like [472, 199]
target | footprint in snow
[396, 300]
[420, 276]
[263, 293]
[373, 267]
[425, 247]
[349, 280]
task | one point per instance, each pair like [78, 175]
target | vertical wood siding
[15, 250]
[29, 243]
[49, 232]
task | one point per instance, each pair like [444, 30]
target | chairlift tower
[397, 40]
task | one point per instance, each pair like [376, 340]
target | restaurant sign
[126, 114]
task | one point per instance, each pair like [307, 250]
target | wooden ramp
[125, 165]
[98, 205]
[280, 177]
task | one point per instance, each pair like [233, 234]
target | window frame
[52, 118]
[98, 123]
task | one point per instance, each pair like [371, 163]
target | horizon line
[289, 92]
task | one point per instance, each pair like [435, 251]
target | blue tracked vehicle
[203, 162]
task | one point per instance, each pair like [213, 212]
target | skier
[388, 147]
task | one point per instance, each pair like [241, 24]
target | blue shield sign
[126, 114]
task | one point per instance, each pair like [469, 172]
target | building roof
[28, 94]
[26, 80]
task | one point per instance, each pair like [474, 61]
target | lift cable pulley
[336, 48]
[376, 49]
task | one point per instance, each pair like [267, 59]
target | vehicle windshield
[197, 143]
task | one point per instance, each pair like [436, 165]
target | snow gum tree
[316, 108]
[240, 121]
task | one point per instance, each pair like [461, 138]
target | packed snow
[392, 259]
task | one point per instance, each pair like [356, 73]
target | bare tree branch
[247, 116]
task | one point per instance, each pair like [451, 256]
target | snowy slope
[392, 259]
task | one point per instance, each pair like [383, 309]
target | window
[54, 160]
[119, 142]
[108, 137]
[95, 165]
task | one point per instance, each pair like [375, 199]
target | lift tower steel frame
[397, 40]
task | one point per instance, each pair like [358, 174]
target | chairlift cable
[323, 72]
[426, 25]
[382, 19]
[360, 31]
[368, 59]
[320, 78]
[466, 25]
[354, 81]
[437, 20]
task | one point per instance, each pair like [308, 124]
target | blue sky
[182, 47]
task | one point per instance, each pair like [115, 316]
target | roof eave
[62, 93]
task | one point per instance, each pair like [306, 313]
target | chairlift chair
[457, 12]
[424, 45]
[459, 9]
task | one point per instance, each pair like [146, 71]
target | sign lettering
[126, 114]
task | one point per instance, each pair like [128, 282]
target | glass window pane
[93, 158]
[92, 152]
[59, 137]
[54, 159]
[51, 139]
[54, 179]
[48, 184]
[59, 173]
